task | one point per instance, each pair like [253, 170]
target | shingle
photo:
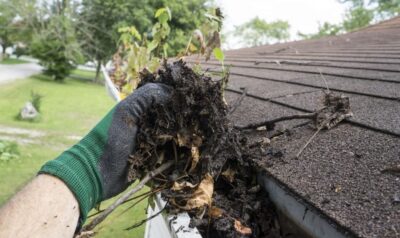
[349, 160]
[267, 89]
[384, 89]
[252, 110]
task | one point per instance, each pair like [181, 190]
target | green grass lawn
[13, 61]
[69, 110]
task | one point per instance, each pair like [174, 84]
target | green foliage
[160, 32]
[207, 37]
[387, 8]
[219, 55]
[15, 27]
[141, 55]
[56, 48]
[36, 100]
[99, 21]
[358, 15]
[128, 35]
[382, 9]
[325, 29]
[259, 32]
[8, 150]
[20, 51]
[357, 18]
[7, 29]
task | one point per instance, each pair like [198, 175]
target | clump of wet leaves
[212, 178]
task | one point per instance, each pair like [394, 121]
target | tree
[101, 19]
[387, 8]
[380, 9]
[56, 48]
[258, 32]
[326, 29]
[7, 28]
[55, 43]
[357, 17]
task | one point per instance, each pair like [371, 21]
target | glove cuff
[79, 176]
[78, 167]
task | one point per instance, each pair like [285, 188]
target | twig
[175, 152]
[137, 202]
[323, 78]
[393, 169]
[237, 103]
[146, 220]
[187, 47]
[270, 123]
[278, 133]
[123, 212]
[308, 142]
[133, 198]
[127, 195]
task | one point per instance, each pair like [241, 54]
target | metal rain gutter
[304, 217]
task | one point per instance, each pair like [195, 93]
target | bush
[8, 150]
[19, 51]
[56, 48]
[36, 100]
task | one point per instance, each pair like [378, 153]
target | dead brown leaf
[213, 42]
[242, 229]
[195, 158]
[183, 139]
[215, 212]
[188, 139]
[199, 37]
[180, 186]
[229, 174]
[203, 194]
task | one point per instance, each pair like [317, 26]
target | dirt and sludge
[215, 163]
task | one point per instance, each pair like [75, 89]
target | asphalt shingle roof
[340, 172]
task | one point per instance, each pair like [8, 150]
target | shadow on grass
[45, 78]
[72, 78]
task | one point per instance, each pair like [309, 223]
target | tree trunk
[4, 54]
[96, 79]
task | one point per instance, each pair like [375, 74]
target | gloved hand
[96, 167]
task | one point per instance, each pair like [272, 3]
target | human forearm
[43, 208]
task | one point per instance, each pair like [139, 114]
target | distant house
[349, 175]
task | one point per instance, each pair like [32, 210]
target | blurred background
[51, 86]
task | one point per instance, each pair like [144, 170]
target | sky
[302, 15]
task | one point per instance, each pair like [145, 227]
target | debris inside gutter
[214, 164]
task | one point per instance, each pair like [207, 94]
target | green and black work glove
[96, 168]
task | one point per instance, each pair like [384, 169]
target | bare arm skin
[43, 208]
